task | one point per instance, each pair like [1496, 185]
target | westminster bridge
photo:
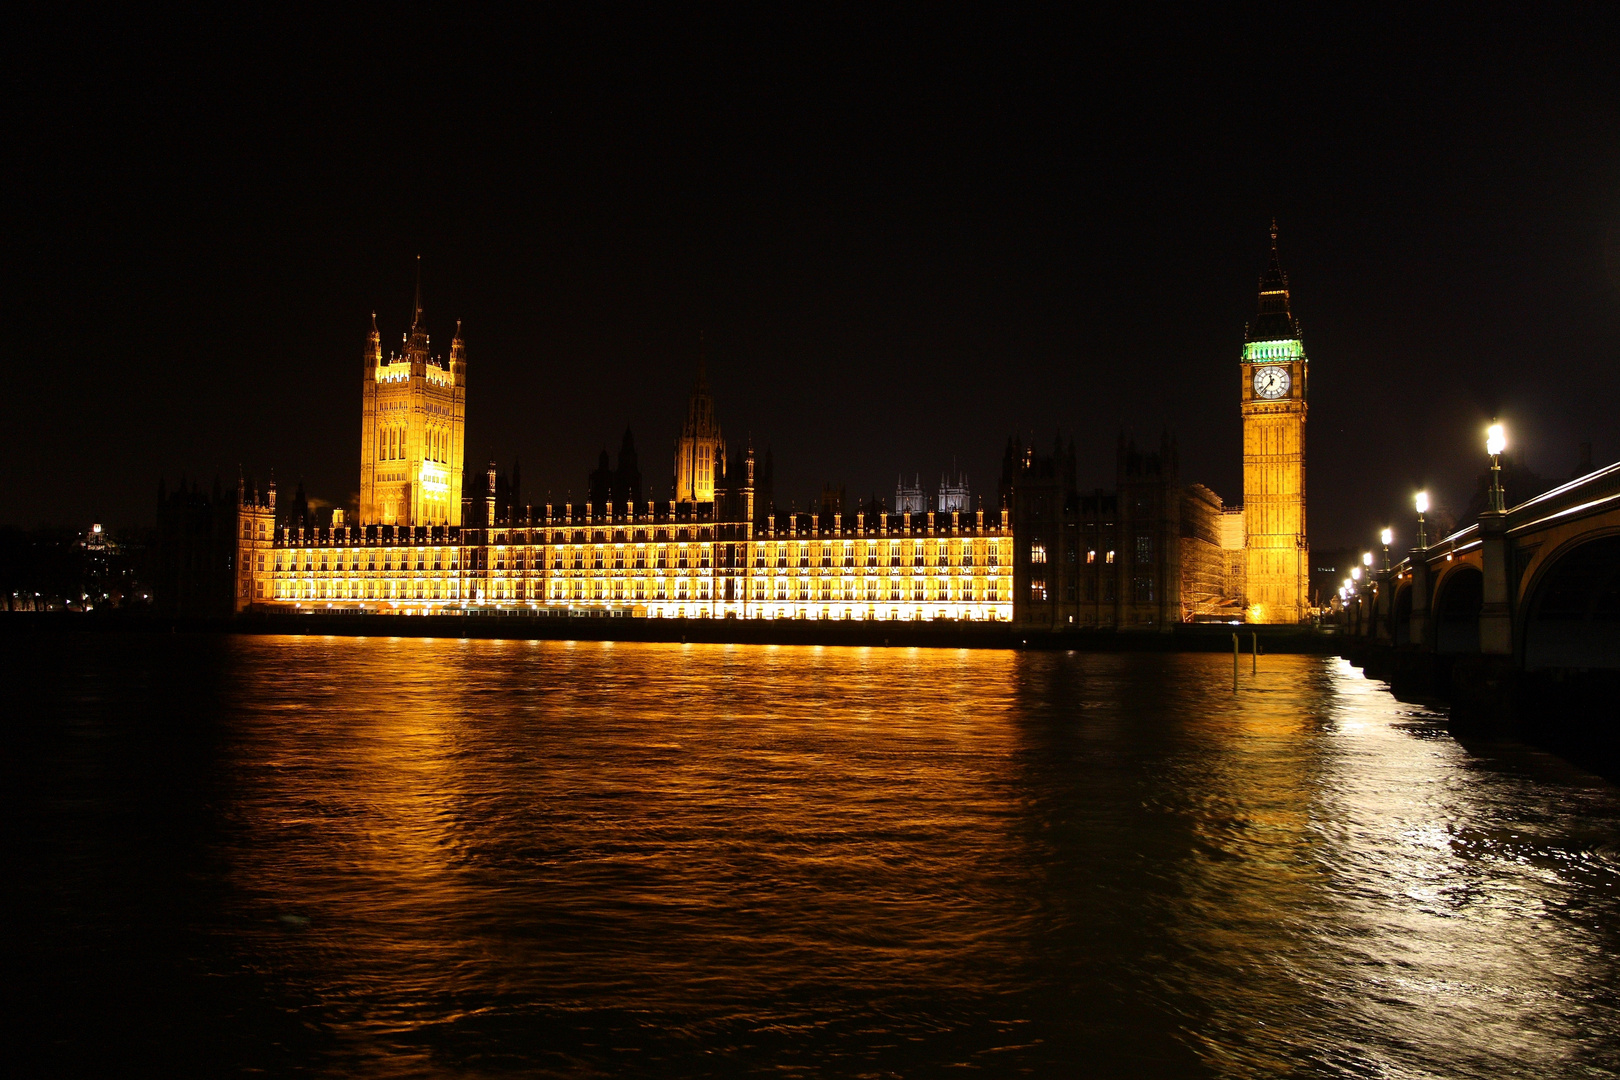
[1515, 616]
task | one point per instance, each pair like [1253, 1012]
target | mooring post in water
[1234, 662]
[1254, 654]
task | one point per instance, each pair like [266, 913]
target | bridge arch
[1571, 613]
[1458, 597]
[1400, 615]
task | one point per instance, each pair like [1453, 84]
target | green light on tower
[1266, 351]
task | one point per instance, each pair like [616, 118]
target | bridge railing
[1594, 491]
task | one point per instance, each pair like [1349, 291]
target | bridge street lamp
[1495, 443]
[1386, 536]
[1421, 501]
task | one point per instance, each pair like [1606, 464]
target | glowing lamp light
[1421, 500]
[1387, 537]
[1355, 573]
[1366, 558]
[1495, 440]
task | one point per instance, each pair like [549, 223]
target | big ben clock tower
[1274, 382]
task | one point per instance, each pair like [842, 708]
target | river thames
[415, 857]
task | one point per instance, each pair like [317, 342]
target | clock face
[1271, 382]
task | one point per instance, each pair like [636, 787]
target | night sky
[901, 238]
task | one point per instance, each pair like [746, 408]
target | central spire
[1275, 321]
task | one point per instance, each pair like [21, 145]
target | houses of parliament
[434, 536]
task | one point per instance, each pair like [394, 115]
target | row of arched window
[391, 444]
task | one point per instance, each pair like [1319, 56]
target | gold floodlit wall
[661, 563]
[1274, 371]
[412, 430]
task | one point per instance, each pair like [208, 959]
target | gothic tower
[412, 429]
[1274, 373]
[701, 450]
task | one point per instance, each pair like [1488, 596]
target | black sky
[903, 237]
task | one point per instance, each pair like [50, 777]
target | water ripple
[401, 857]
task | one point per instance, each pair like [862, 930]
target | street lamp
[1495, 443]
[1421, 500]
[1355, 573]
[1387, 537]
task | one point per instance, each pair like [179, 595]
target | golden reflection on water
[725, 858]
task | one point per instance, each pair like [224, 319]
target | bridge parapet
[1585, 496]
[1593, 495]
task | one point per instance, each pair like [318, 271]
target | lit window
[1037, 554]
[1109, 558]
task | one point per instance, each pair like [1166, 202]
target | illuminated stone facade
[721, 556]
[700, 452]
[412, 430]
[663, 560]
[1274, 372]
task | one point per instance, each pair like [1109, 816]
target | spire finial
[1274, 233]
[417, 319]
